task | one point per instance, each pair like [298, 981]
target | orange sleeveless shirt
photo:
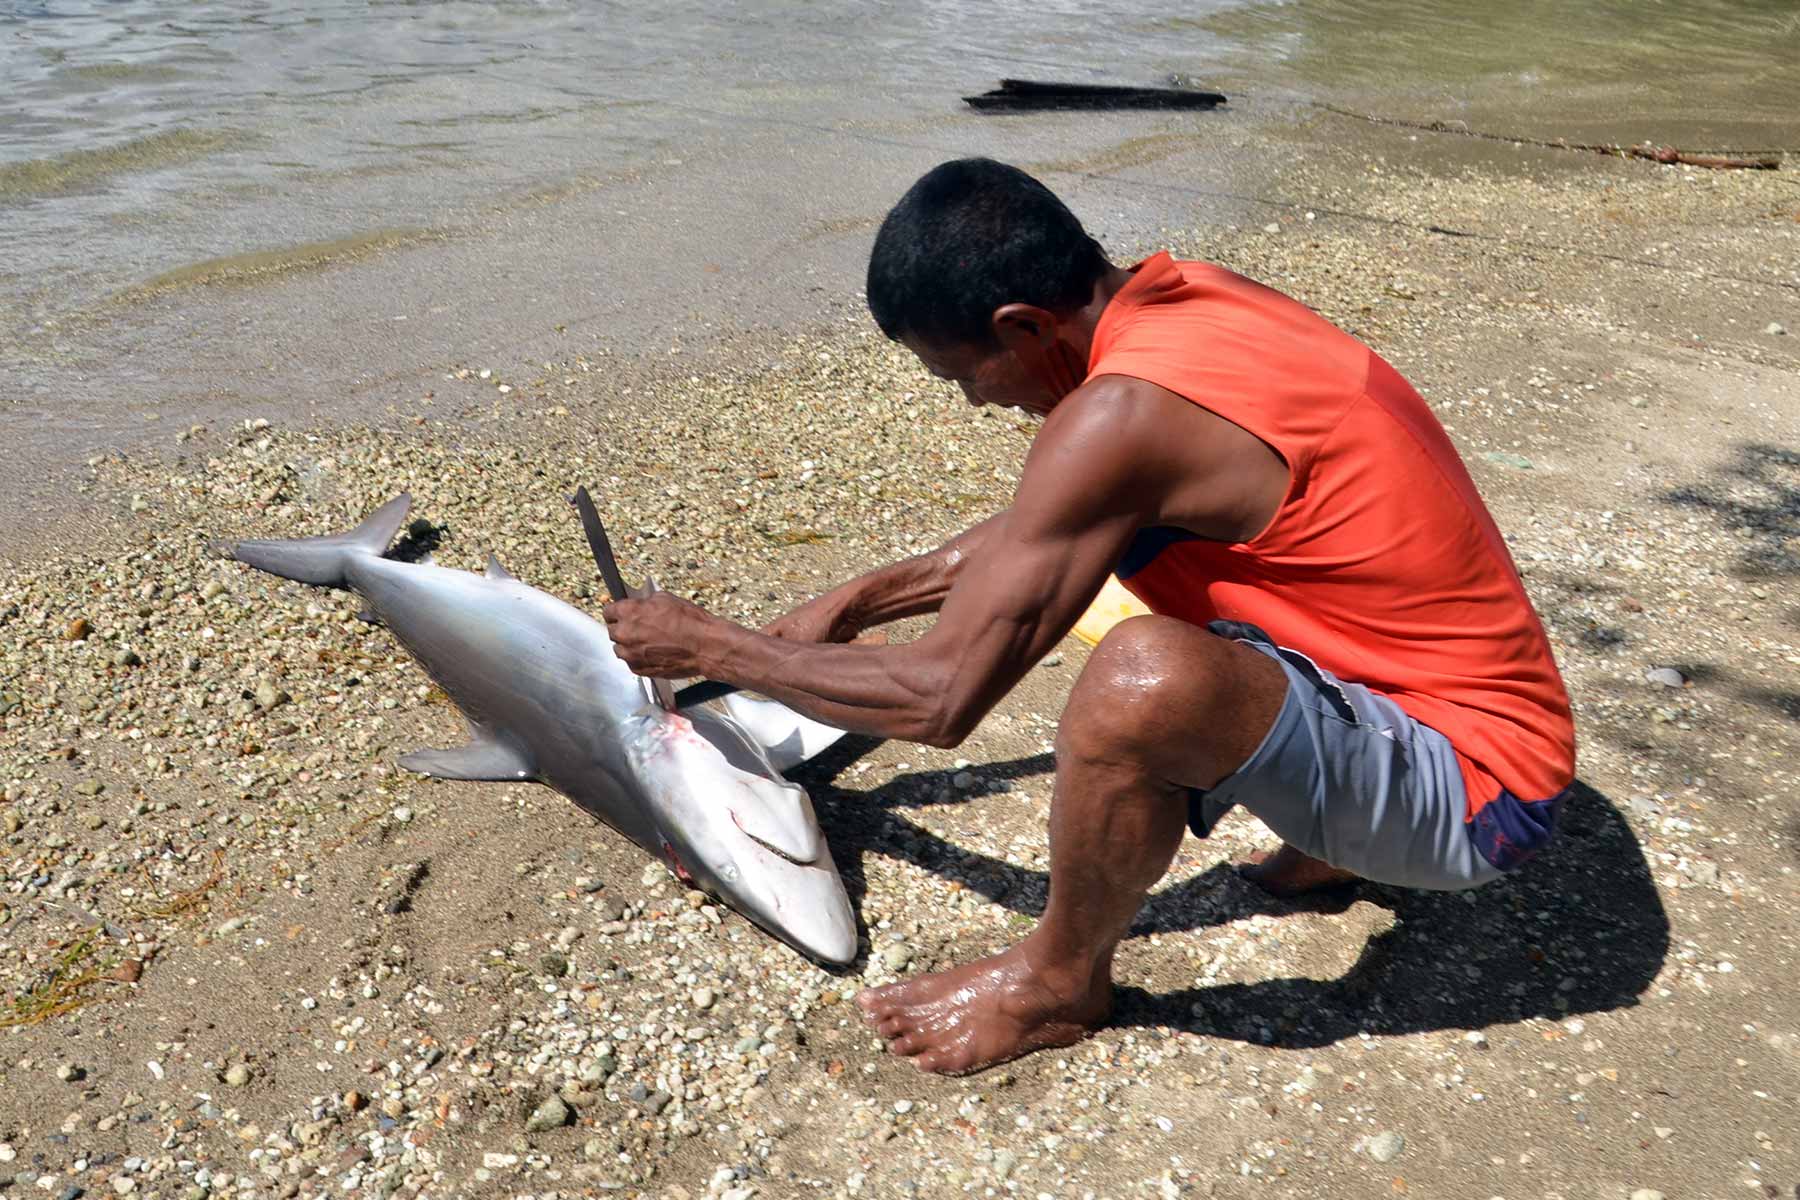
[1382, 564]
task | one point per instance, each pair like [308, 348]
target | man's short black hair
[972, 235]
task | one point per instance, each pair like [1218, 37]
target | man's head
[988, 277]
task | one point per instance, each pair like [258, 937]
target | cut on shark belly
[547, 700]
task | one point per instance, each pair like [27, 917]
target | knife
[615, 582]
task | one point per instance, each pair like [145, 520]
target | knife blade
[660, 689]
[598, 543]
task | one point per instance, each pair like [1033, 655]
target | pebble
[1775, 328]
[1669, 677]
[1646, 1194]
[896, 956]
[403, 814]
[70, 1073]
[237, 1075]
[1272, 227]
[1386, 1146]
[78, 630]
[703, 998]
[551, 1114]
[90, 787]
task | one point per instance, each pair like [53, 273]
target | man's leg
[1289, 872]
[1162, 706]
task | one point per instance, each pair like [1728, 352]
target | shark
[546, 699]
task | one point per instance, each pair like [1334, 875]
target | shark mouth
[771, 847]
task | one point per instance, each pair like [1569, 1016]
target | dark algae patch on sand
[244, 268]
[79, 169]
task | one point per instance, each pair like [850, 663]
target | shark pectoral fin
[788, 738]
[485, 760]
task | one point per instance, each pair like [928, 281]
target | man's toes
[945, 1060]
[908, 1044]
[893, 1025]
[877, 1003]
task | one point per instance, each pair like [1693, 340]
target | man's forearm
[883, 691]
[913, 586]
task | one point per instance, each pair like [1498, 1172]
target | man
[1340, 642]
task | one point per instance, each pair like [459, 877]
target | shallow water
[140, 138]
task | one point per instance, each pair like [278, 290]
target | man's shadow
[1580, 929]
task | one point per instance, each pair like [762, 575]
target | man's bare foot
[1288, 873]
[972, 1017]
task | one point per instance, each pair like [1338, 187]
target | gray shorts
[1345, 775]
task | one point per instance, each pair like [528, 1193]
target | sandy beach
[244, 955]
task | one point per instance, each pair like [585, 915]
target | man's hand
[661, 635]
[821, 619]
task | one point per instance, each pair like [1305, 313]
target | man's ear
[1033, 336]
[1025, 329]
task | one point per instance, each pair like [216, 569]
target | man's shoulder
[1208, 326]
[1123, 406]
[1133, 421]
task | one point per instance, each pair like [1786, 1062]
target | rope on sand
[1715, 160]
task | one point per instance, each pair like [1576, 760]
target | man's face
[987, 375]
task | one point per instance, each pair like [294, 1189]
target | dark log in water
[1024, 95]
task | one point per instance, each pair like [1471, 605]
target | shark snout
[751, 837]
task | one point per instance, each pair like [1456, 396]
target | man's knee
[1145, 667]
[1160, 692]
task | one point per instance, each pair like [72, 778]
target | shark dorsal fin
[494, 570]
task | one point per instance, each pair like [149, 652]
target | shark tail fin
[324, 560]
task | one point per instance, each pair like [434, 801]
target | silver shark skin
[546, 699]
